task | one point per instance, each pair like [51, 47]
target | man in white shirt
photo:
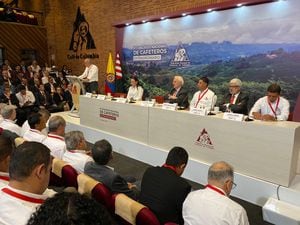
[9, 115]
[25, 98]
[45, 114]
[28, 180]
[271, 107]
[204, 98]
[37, 123]
[212, 205]
[90, 76]
[76, 154]
[55, 140]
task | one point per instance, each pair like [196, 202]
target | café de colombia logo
[204, 140]
[81, 39]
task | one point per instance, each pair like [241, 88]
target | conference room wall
[60, 16]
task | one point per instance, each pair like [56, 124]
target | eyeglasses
[233, 185]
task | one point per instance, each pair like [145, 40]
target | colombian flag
[110, 76]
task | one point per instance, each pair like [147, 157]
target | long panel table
[265, 150]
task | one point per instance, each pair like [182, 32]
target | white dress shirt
[26, 127]
[17, 206]
[11, 126]
[205, 99]
[4, 179]
[91, 73]
[25, 98]
[34, 135]
[56, 144]
[210, 207]
[136, 93]
[262, 106]
[77, 159]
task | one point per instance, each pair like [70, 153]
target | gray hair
[73, 139]
[220, 172]
[7, 111]
[236, 81]
[180, 79]
[55, 122]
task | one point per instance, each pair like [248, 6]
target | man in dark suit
[163, 190]
[98, 169]
[235, 101]
[178, 94]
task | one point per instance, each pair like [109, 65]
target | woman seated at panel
[135, 91]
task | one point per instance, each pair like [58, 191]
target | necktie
[232, 99]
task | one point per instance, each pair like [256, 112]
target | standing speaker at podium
[90, 76]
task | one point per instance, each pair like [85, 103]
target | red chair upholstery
[103, 195]
[146, 217]
[296, 113]
[63, 174]
[69, 176]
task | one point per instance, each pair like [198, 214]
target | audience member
[70, 208]
[35, 67]
[45, 117]
[76, 154]
[178, 94]
[55, 140]
[90, 76]
[29, 172]
[212, 205]
[36, 123]
[135, 91]
[235, 101]
[271, 107]
[204, 98]
[8, 113]
[25, 97]
[163, 190]
[98, 169]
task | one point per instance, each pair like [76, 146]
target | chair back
[95, 189]
[133, 212]
[63, 174]
[296, 113]
[19, 141]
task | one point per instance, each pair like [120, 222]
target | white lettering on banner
[147, 57]
[200, 112]
[169, 106]
[233, 116]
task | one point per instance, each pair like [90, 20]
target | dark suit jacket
[47, 87]
[164, 192]
[110, 179]
[240, 106]
[182, 97]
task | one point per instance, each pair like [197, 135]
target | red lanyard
[57, 137]
[22, 197]
[277, 103]
[4, 178]
[215, 189]
[200, 96]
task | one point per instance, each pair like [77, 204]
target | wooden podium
[77, 87]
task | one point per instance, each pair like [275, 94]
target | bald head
[220, 172]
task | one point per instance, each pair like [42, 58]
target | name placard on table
[233, 116]
[147, 103]
[101, 97]
[200, 112]
[169, 106]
